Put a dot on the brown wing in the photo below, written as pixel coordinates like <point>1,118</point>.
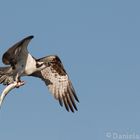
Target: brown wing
<point>57,80</point>
<point>10,57</point>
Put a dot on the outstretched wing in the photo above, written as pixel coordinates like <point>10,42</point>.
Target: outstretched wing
<point>10,57</point>
<point>58,82</point>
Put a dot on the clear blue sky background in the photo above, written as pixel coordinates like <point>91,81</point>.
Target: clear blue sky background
<point>99,44</point>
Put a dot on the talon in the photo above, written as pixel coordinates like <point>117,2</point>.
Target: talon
<point>20,83</point>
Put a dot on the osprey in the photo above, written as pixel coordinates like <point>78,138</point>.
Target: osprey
<point>50,69</point>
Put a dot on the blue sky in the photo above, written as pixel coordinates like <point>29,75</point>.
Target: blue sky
<point>99,44</point>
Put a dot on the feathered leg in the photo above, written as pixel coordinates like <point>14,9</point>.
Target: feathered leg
<point>17,79</point>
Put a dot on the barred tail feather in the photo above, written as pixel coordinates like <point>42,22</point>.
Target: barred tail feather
<point>6,77</point>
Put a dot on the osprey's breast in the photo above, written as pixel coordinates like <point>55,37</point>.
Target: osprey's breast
<point>26,64</point>
<point>30,65</point>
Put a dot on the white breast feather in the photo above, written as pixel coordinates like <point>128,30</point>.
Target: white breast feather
<point>30,65</point>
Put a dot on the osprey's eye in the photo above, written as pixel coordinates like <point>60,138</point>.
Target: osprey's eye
<point>49,63</point>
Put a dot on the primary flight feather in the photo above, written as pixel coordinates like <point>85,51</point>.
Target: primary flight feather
<point>50,69</point>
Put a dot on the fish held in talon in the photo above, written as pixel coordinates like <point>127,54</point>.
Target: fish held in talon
<point>19,84</point>
<point>6,91</point>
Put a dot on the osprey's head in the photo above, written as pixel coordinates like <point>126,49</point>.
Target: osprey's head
<point>40,65</point>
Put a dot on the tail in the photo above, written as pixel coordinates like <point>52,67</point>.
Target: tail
<point>6,77</point>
